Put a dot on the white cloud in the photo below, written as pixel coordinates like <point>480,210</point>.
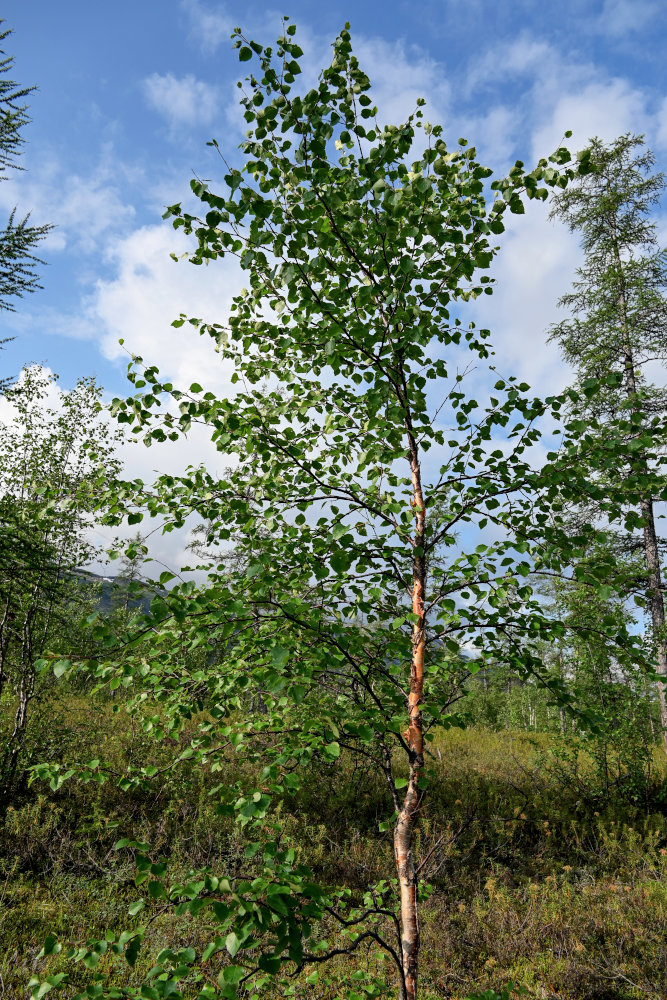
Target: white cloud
<point>538,258</point>
<point>524,57</point>
<point>661,125</point>
<point>138,304</point>
<point>621,17</point>
<point>495,135</point>
<point>209,27</point>
<point>399,74</point>
<point>534,268</point>
<point>183,101</point>
<point>605,109</point>
<point>83,209</point>
<point>557,93</point>
<point>149,290</point>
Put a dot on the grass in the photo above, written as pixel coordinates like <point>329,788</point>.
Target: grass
<point>539,880</point>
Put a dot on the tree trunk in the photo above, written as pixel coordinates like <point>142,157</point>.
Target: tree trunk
<point>656,605</point>
<point>655,597</point>
<point>561,711</point>
<point>25,693</point>
<point>406,821</point>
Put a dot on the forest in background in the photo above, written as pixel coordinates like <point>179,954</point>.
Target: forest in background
<point>403,732</point>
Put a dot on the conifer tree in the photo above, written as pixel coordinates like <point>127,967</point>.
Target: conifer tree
<point>618,321</point>
<point>19,237</point>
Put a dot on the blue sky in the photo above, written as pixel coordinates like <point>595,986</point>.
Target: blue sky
<point>130,92</point>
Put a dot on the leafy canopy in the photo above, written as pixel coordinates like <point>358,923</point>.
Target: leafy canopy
<point>349,404</point>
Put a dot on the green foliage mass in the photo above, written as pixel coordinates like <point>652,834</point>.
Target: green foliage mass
<point>360,456</point>
<point>388,528</point>
<point>52,448</point>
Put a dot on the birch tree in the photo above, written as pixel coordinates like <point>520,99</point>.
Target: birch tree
<point>384,517</point>
<point>51,446</point>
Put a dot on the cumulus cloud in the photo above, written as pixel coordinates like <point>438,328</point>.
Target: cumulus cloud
<point>525,56</point>
<point>148,291</point>
<point>182,101</point>
<point>495,135</point>
<point>556,93</point>
<point>534,269</point>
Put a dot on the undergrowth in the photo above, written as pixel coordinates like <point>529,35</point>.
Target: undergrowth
<point>538,879</point>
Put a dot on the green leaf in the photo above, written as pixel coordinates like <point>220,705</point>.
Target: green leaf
<point>298,693</point>
<point>156,890</point>
<point>245,54</point>
<point>132,950</point>
<point>269,964</point>
<point>49,983</point>
<point>51,946</point>
<point>232,943</point>
<point>279,656</point>
<point>210,949</point>
<point>232,974</point>
<point>61,666</point>
<point>340,561</point>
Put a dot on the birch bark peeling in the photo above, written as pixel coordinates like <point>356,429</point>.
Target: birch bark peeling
<point>408,815</point>
<point>656,604</point>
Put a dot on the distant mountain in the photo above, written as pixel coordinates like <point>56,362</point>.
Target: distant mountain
<point>111,590</point>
